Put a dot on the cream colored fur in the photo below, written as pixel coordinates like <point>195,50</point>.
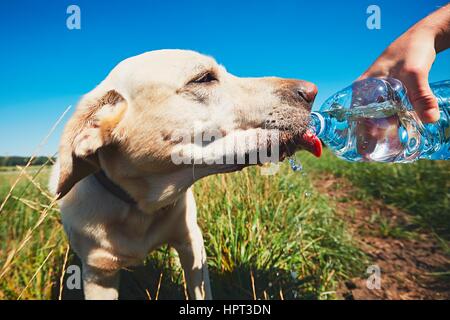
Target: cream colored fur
<point>124,127</point>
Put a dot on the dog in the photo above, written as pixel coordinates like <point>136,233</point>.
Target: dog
<point>120,192</point>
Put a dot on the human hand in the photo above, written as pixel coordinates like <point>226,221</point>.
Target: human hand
<point>409,59</point>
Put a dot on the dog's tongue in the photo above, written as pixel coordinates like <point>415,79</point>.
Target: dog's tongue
<point>312,143</point>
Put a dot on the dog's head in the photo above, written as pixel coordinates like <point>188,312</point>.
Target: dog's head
<point>158,109</point>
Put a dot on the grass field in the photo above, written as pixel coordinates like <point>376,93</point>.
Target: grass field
<point>269,237</point>
<point>422,189</point>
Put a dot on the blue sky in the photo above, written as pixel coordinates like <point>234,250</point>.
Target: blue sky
<point>45,67</point>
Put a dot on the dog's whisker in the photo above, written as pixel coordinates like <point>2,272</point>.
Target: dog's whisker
<point>118,126</point>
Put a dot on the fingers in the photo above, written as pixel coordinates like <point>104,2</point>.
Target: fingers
<point>372,73</point>
<point>362,77</point>
<point>419,92</point>
<point>421,96</point>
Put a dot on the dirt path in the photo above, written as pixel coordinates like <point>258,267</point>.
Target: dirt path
<point>408,264</point>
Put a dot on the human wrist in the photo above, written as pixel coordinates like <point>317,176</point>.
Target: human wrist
<point>437,26</point>
<point>442,39</point>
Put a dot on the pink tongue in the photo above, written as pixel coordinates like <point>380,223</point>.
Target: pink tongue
<point>313,143</point>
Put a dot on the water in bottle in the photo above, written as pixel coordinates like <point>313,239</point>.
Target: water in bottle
<point>373,120</point>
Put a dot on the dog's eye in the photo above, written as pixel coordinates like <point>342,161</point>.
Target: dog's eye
<point>205,78</point>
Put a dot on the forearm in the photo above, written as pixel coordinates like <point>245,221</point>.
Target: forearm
<point>438,24</point>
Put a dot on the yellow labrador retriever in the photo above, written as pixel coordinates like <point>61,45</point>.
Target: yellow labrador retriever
<point>122,178</point>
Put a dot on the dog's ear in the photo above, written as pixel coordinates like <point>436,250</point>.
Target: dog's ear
<point>89,129</point>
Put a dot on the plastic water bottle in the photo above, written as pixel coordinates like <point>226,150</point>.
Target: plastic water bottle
<point>373,120</point>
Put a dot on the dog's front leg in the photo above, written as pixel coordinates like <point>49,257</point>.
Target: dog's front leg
<point>100,284</point>
<point>193,260</point>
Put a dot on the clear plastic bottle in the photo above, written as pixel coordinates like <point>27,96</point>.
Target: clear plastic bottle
<point>373,120</point>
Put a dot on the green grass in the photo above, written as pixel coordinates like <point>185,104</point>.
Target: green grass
<point>276,229</point>
<point>420,188</point>
<point>18,265</point>
<point>13,169</point>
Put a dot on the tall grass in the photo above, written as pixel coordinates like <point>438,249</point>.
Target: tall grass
<point>421,188</point>
<point>277,228</point>
<point>30,233</point>
<point>269,237</point>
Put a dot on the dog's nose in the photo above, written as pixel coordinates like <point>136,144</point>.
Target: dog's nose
<point>306,90</point>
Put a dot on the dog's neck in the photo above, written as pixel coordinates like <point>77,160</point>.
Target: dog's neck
<point>114,188</point>
<point>148,189</point>
<point>134,199</point>
<point>147,192</point>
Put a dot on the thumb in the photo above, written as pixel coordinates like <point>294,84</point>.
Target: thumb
<point>421,97</point>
